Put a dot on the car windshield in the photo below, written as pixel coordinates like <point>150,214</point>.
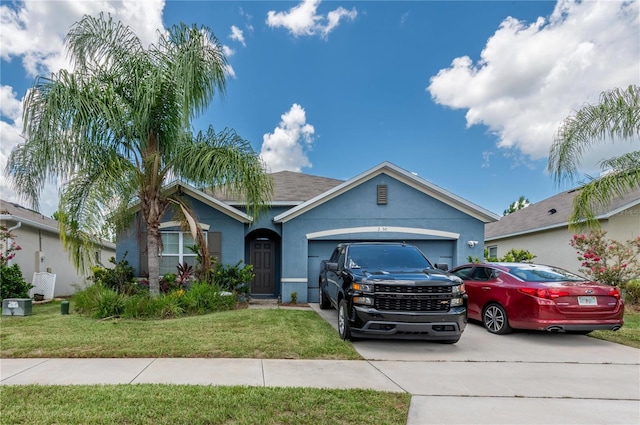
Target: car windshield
<point>544,274</point>
<point>386,257</point>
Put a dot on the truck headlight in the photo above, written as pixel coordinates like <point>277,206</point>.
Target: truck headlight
<point>363,300</point>
<point>363,287</point>
<point>458,289</point>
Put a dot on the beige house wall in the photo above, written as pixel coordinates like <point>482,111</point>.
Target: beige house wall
<point>552,246</point>
<point>42,251</point>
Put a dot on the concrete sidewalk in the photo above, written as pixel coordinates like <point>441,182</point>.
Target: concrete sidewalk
<point>573,380</point>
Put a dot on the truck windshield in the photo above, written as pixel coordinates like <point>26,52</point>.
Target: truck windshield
<point>386,257</point>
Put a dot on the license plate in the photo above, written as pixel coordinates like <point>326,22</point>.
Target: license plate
<point>587,301</point>
<point>12,304</point>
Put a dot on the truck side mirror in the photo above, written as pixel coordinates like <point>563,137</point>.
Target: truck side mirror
<point>332,267</point>
<point>442,266</point>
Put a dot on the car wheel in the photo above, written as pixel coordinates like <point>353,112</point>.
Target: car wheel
<point>495,320</point>
<point>324,301</point>
<point>343,321</point>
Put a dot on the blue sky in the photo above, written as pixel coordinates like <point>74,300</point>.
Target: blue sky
<point>466,94</point>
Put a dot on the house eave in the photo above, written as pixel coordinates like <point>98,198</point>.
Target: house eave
<point>47,228</point>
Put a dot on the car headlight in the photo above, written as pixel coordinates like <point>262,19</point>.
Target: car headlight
<point>363,287</point>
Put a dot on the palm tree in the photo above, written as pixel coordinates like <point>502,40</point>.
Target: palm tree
<point>117,127</point>
<point>521,203</point>
<point>615,118</point>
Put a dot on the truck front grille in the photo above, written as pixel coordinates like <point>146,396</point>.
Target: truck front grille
<point>412,289</point>
<point>407,304</point>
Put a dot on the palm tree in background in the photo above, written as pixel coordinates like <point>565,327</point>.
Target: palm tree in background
<point>118,127</point>
<point>521,203</point>
<point>615,118</point>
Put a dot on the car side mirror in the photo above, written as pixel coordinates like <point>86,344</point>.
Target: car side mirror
<point>332,267</point>
<point>442,266</point>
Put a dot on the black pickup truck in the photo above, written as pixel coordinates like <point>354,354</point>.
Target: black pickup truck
<point>383,289</point>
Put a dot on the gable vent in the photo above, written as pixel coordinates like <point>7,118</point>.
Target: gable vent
<point>382,194</point>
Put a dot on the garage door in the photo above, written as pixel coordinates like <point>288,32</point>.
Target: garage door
<point>437,251</point>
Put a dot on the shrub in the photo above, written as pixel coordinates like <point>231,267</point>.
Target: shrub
<point>99,302</point>
<point>120,278</point>
<point>234,278</point>
<point>12,284</point>
<point>606,260</point>
<point>632,292</point>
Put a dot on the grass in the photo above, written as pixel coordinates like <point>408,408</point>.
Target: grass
<point>193,404</point>
<point>283,334</point>
<point>629,334</point>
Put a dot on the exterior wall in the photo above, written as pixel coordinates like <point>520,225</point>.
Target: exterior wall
<point>624,225</point>
<point>232,234</point>
<point>42,251</point>
<point>357,208</point>
<point>552,246</point>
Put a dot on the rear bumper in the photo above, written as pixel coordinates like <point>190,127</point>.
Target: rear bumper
<point>570,325</point>
<point>371,323</point>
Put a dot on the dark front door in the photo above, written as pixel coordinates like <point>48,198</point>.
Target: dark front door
<point>262,254</point>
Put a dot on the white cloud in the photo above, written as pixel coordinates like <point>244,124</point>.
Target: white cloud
<point>286,147</point>
<point>237,35</point>
<point>532,76</point>
<point>33,33</point>
<point>304,20</point>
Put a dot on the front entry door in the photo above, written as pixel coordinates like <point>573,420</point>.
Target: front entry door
<point>262,254</point>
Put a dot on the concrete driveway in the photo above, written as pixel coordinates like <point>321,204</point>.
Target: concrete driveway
<point>520,378</point>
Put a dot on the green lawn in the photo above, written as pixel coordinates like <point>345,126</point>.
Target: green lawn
<point>197,404</point>
<point>282,334</point>
<point>629,334</point>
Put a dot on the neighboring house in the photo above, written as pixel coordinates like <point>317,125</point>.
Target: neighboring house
<point>308,216</point>
<point>543,228</point>
<point>42,250</point>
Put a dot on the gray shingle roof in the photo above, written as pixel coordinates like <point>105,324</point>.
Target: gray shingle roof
<point>34,217</point>
<point>549,213</point>
<point>291,187</point>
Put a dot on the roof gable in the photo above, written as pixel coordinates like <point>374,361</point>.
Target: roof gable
<point>401,175</point>
<point>551,213</point>
<point>178,186</point>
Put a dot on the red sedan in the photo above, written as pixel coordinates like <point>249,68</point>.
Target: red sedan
<point>506,296</point>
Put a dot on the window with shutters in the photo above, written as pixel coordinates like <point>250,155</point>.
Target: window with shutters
<point>176,250</point>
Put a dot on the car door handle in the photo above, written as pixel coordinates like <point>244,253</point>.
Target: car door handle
<point>486,288</point>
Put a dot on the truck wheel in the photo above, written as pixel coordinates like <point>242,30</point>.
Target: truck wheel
<point>343,321</point>
<point>324,301</point>
<point>495,320</point>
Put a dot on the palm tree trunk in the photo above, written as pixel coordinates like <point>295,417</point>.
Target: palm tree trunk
<point>153,257</point>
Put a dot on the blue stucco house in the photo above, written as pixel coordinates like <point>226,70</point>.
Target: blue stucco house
<point>309,215</point>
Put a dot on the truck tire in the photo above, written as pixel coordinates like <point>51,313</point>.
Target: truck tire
<point>324,301</point>
<point>343,321</point>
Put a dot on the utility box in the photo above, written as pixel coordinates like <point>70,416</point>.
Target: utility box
<point>16,306</point>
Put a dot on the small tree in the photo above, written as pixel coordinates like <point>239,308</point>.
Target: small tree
<point>12,284</point>
<point>607,261</point>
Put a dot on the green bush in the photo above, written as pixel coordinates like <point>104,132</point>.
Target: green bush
<point>632,292</point>
<point>12,284</point>
<point>99,302</point>
<point>120,278</point>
